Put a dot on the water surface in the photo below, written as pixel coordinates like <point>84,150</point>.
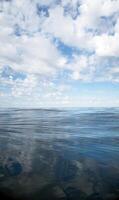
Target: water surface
<point>59,154</point>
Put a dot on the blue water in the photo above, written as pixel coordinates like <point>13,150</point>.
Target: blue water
<point>59,154</point>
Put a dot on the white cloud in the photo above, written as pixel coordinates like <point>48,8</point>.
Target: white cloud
<point>24,87</point>
<point>35,54</point>
<point>117,26</point>
<point>106,45</point>
<point>114,70</point>
<point>76,75</point>
<point>83,68</point>
<point>38,55</point>
<point>109,7</point>
<point>60,26</point>
<point>81,32</point>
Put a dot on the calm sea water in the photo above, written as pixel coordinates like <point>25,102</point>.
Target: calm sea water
<point>59,154</point>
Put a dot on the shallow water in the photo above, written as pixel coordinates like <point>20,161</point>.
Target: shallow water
<point>59,154</point>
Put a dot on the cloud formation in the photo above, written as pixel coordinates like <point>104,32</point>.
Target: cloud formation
<point>40,41</point>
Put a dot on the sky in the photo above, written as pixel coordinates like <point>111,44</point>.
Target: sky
<point>59,53</point>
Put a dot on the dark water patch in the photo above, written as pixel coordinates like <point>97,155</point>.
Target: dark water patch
<point>94,196</point>
<point>74,193</point>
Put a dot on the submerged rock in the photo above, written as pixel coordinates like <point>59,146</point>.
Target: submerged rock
<point>13,167</point>
<point>65,170</point>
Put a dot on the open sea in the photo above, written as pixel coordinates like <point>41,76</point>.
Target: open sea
<point>59,154</point>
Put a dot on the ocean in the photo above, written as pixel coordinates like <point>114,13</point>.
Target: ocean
<point>59,154</point>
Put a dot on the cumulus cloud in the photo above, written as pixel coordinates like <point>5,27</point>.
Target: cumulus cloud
<point>35,54</point>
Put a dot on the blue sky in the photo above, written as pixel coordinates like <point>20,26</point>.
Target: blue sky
<point>61,53</point>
